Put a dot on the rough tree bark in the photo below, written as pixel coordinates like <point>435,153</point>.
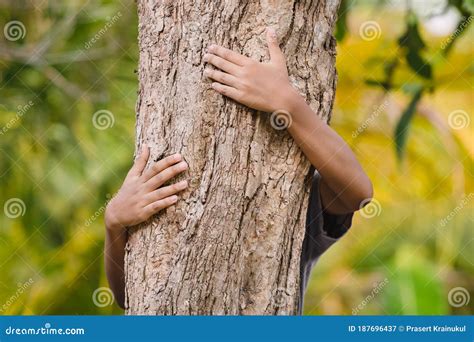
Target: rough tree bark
<point>232,244</point>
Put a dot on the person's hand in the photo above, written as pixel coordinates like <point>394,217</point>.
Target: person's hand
<point>261,86</point>
<point>142,194</point>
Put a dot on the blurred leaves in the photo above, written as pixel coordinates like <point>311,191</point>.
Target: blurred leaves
<point>341,23</point>
<point>412,290</point>
<point>53,157</point>
<point>403,124</point>
<point>412,244</point>
<point>411,46</point>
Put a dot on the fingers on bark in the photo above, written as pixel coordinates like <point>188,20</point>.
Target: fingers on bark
<point>159,205</point>
<point>162,165</point>
<point>226,91</point>
<point>221,77</point>
<point>228,55</point>
<point>167,191</point>
<point>140,162</point>
<point>276,55</point>
<point>166,174</point>
<point>221,63</point>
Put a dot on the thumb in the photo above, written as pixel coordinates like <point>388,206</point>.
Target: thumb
<point>141,161</point>
<point>276,55</point>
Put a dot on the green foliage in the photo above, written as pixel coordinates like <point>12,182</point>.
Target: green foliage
<point>403,124</point>
<point>412,290</point>
<point>54,158</point>
<point>420,241</point>
<point>411,46</point>
<point>341,24</point>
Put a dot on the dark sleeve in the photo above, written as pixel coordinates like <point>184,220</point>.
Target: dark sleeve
<point>321,232</point>
<point>335,226</point>
<point>323,229</point>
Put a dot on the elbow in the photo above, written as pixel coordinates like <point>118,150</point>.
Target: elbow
<point>362,195</point>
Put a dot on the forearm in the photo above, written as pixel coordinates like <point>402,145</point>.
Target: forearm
<point>341,173</point>
<point>115,240</point>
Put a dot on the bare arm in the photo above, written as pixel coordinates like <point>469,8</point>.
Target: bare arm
<point>114,253</point>
<point>141,196</point>
<point>266,87</point>
<point>344,184</point>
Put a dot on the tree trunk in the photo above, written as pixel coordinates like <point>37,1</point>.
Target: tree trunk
<point>232,244</point>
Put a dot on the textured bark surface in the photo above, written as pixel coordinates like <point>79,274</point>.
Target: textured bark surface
<point>232,244</point>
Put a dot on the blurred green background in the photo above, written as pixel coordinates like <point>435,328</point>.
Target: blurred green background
<point>404,103</point>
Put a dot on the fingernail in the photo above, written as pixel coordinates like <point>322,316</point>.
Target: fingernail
<point>211,47</point>
<point>206,72</point>
<point>174,199</point>
<point>206,57</point>
<point>183,184</point>
<point>178,157</point>
<point>183,165</point>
